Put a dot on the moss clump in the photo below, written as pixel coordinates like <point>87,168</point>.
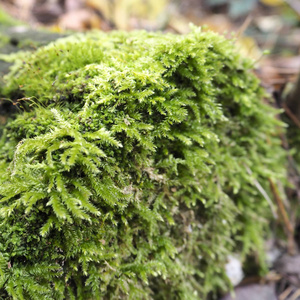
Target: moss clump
<point>130,172</point>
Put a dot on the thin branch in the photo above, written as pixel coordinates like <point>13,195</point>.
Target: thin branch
<point>291,115</point>
<point>284,295</point>
<point>245,25</point>
<point>291,246</point>
<point>281,208</point>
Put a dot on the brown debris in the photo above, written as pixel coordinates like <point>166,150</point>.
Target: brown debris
<point>79,20</point>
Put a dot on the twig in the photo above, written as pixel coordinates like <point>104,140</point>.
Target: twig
<point>281,208</point>
<point>291,115</point>
<point>284,295</point>
<point>296,295</point>
<point>288,225</point>
<point>245,25</point>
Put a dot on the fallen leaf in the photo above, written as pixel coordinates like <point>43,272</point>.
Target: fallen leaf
<point>179,24</point>
<point>80,20</point>
<point>217,22</point>
<point>105,7</point>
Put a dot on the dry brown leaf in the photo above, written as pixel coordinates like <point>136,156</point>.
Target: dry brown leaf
<point>80,20</point>
<point>126,14</point>
<point>121,14</point>
<point>217,22</point>
<point>179,24</point>
<point>105,7</point>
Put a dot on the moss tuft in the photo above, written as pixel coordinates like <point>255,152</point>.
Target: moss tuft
<point>130,171</point>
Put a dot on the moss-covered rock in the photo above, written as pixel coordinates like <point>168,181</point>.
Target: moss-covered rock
<point>129,171</point>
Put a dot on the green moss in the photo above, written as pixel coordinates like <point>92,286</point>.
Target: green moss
<point>129,173</point>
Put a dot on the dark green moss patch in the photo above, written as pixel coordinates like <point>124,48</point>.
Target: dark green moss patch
<point>130,171</point>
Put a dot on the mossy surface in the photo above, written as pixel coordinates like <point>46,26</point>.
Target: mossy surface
<point>130,171</point>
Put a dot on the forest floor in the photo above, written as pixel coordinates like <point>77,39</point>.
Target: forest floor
<point>259,26</point>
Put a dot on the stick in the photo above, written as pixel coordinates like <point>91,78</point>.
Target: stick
<point>281,208</point>
<point>291,115</point>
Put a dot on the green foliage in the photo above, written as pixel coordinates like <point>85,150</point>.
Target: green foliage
<point>130,171</point>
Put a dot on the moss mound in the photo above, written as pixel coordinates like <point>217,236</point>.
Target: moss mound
<point>130,171</point>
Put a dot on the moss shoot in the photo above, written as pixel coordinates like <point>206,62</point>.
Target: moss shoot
<point>130,170</point>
